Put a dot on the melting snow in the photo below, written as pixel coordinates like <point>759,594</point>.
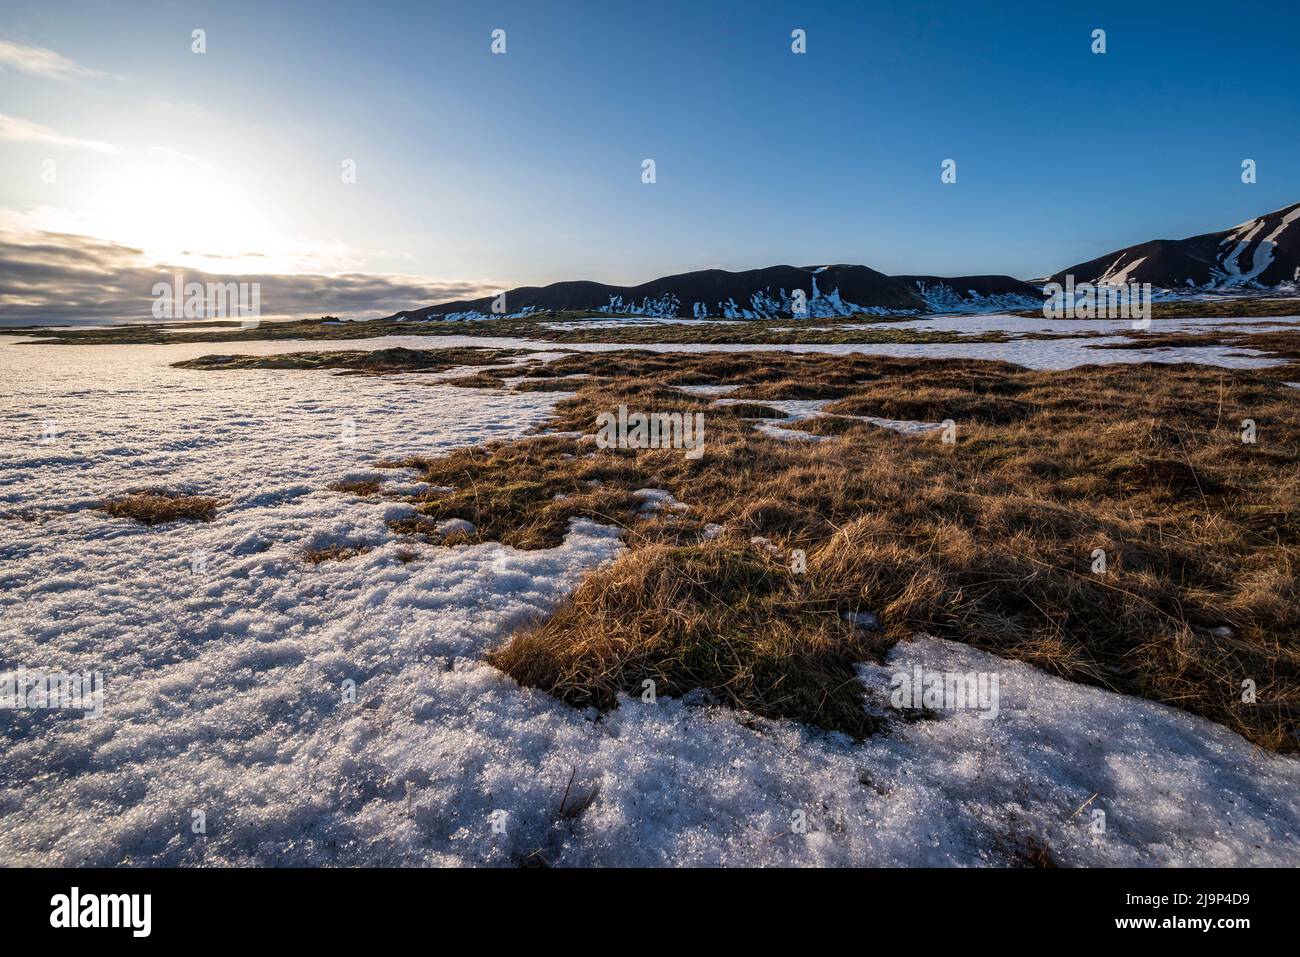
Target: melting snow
<point>1030,353</point>
<point>706,390</point>
<point>634,323</point>
<point>224,683</point>
<point>658,500</point>
<point>797,410</point>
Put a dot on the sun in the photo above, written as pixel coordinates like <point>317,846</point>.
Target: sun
<point>182,211</point>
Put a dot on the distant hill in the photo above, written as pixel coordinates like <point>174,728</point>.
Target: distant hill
<point>838,290</point>
<point>1262,253</point>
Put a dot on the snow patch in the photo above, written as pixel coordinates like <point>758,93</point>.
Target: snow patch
<point>658,500</point>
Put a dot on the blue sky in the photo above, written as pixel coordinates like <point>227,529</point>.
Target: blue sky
<point>526,167</point>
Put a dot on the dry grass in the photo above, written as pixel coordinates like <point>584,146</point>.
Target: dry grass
<point>157,508</point>
<point>370,362</point>
<point>518,493</point>
<point>1032,851</point>
<point>487,379</point>
<point>333,553</point>
<point>710,615</point>
<point>362,487</point>
<point>989,541</point>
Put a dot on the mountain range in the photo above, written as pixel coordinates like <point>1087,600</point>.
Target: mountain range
<point>1261,254</point>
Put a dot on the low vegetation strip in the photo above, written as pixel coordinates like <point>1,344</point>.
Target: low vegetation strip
<point>1133,526</point>
<point>574,327</point>
<point>373,362</point>
<point>158,508</point>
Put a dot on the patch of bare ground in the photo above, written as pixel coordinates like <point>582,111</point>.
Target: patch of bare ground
<point>158,508</point>
<point>1031,851</point>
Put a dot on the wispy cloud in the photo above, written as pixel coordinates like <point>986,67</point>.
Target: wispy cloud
<point>168,151</point>
<point>58,278</point>
<point>18,130</point>
<point>38,61</point>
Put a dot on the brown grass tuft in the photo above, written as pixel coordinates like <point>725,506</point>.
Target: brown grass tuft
<point>722,617</point>
<point>361,487</point>
<point>157,508</point>
<point>333,553</point>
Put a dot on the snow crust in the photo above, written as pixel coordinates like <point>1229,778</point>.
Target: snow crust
<point>1030,353</point>
<point>225,681</point>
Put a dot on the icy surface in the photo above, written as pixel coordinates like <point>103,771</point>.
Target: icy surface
<point>1024,325</point>
<point>572,324</point>
<point>706,390</point>
<point>225,680</point>
<point>1030,353</point>
<point>905,426</point>
<point>658,500</point>
<point>796,410</point>
<point>769,427</point>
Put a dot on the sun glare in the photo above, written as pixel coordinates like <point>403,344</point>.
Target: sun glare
<point>180,211</point>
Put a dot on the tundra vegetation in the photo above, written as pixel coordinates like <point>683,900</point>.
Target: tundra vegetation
<point>157,507</point>
<point>753,591</point>
<point>541,326</point>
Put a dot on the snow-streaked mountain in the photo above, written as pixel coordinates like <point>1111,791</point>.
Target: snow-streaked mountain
<point>1262,253</point>
<point>832,290</point>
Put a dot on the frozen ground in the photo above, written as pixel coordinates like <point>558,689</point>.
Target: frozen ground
<point>1003,322</point>
<point>1030,353</point>
<point>625,323</point>
<point>797,410</point>
<point>225,660</point>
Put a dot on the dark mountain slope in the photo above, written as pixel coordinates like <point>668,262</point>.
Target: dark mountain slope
<point>1259,254</point>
